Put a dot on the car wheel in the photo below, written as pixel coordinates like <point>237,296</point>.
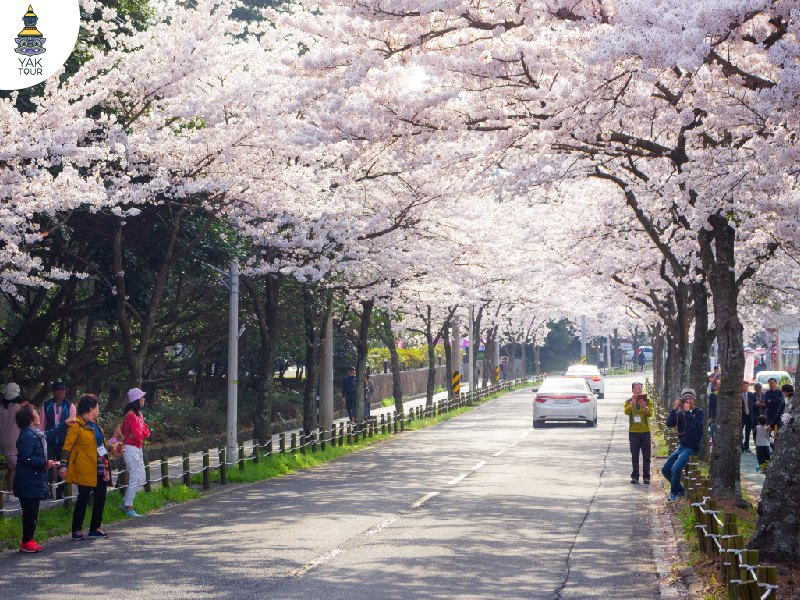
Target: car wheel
<point>590,423</point>
<point>595,420</point>
<point>538,424</point>
<point>601,396</point>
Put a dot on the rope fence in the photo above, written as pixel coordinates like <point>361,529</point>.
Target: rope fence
<point>302,442</point>
<point>719,539</point>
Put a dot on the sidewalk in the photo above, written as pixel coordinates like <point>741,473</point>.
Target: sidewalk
<point>748,466</point>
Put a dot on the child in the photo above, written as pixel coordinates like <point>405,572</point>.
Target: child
<point>762,442</point>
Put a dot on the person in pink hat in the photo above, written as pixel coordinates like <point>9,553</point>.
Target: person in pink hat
<point>134,432</point>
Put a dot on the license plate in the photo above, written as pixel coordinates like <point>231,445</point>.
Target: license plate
<point>562,401</point>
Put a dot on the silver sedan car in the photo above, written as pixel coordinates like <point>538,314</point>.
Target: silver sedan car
<point>564,399</point>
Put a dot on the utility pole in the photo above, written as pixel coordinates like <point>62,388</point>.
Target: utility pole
<point>232,441</point>
<point>583,339</point>
<point>470,356</point>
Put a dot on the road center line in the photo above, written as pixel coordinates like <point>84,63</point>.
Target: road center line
<point>524,435</point>
<point>418,503</point>
<point>479,465</point>
<point>457,479</point>
<point>498,453</point>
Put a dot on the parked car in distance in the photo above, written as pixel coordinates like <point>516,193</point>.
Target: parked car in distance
<point>564,399</point>
<point>647,350</point>
<point>763,377</point>
<point>592,375</point>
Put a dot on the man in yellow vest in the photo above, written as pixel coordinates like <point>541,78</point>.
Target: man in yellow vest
<point>639,408</point>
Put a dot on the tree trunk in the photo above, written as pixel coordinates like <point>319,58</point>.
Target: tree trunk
<point>314,345</point>
<point>448,360</point>
<point>670,374</point>
<point>698,379</point>
<point>394,360</point>
<point>362,348</point>
<point>725,458</point>
<point>777,536</point>
<point>658,356</point>
<point>267,317</point>
<point>431,360</point>
<point>476,343</point>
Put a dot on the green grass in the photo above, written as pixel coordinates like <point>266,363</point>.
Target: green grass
<point>58,521</point>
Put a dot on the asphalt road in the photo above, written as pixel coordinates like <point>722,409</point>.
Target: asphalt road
<point>480,506</point>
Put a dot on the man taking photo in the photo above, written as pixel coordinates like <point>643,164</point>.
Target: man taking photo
<point>688,423</point>
<point>639,408</point>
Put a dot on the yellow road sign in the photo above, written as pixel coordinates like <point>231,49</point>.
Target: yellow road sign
<point>456,381</point>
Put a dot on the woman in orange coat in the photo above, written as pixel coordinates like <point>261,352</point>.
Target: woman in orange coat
<point>87,466</point>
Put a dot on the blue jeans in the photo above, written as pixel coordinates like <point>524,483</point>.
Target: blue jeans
<point>673,468</point>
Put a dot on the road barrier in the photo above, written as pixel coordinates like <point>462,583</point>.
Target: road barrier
<point>349,433</point>
<point>739,568</point>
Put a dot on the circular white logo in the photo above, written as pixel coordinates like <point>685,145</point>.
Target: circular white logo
<point>36,39</point>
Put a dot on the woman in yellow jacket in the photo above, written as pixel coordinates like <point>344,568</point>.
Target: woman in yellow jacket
<point>87,466</point>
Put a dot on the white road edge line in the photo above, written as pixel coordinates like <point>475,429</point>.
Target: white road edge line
<point>457,479</point>
<point>317,562</point>
<point>498,453</point>
<point>419,502</point>
<point>391,520</point>
<point>479,465</point>
<point>524,435</point>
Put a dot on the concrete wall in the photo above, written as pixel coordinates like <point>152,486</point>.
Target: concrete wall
<point>415,382</point>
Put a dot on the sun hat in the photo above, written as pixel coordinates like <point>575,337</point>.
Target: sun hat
<point>135,394</point>
<point>12,391</point>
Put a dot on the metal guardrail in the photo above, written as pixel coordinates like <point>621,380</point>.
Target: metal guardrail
<point>306,441</point>
<point>744,578</point>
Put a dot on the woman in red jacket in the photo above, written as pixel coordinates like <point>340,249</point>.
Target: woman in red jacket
<point>134,432</point>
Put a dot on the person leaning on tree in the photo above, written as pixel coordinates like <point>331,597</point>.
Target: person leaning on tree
<point>639,408</point>
<point>688,423</point>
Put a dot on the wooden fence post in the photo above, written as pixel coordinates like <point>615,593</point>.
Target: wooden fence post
<point>206,469</point>
<point>148,487</point>
<point>164,472</point>
<point>282,442</point>
<point>383,423</point>
<point>223,466</point>
<point>187,475</point>
<point>256,452</point>
<point>241,457</point>
<point>294,443</point>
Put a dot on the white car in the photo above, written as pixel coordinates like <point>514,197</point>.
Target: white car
<point>564,399</point>
<point>592,376</point>
<point>781,377</point>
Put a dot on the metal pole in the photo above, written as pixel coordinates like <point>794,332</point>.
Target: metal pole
<point>471,358</point>
<point>496,366</point>
<point>231,441</point>
<point>326,399</point>
<point>456,346</point>
<point>583,338</point>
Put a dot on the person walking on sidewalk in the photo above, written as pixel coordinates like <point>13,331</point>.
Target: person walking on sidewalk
<point>639,408</point>
<point>369,392</point>
<point>762,442</point>
<point>134,433</point>
<point>87,466</point>
<point>31,483</point>
<point>746,424</point>
<point>757,407</point>
<point>688,423</point>
<point>349,393</point>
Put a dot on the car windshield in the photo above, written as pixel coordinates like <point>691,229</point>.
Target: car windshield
<point>563,385</point>
<point>582,371</point>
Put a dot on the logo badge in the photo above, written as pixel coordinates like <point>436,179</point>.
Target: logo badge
<point>24,59</point>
